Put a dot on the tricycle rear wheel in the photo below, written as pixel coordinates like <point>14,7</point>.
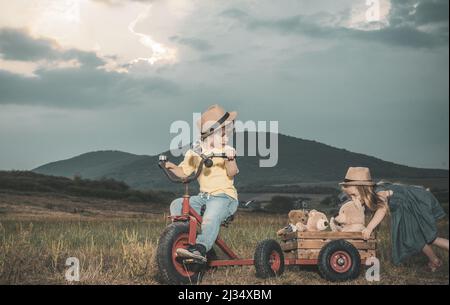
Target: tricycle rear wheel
<point>269,259</point>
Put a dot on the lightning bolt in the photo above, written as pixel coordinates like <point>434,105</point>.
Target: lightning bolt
<point>160,53</point>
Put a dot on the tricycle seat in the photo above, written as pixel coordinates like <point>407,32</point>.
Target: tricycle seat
<point>228,221</point>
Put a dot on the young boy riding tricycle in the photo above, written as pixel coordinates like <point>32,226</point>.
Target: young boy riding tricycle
<point>218,196</point>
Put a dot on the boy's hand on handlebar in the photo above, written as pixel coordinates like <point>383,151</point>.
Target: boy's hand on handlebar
<point>230,152</point>
<point>169,165</point>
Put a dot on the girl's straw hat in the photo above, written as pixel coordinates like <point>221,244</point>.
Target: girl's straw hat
<point>214,118</point>
<point>358,176</point>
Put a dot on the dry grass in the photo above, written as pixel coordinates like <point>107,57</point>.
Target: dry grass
<point>33,250</point>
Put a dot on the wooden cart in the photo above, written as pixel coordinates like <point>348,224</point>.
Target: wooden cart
<point>339,255</point>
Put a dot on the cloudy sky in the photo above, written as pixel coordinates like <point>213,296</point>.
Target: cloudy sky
<point>84,75</point>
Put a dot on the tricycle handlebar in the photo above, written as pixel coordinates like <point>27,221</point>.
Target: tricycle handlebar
<point>206,161</point>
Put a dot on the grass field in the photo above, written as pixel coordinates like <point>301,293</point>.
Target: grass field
<point>116,245</point>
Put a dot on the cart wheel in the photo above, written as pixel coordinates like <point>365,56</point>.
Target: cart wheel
<point>269,259</point>
<point>339,260</point>
<point>171,269</point>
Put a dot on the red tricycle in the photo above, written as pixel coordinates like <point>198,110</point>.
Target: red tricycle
<point>338,259</point>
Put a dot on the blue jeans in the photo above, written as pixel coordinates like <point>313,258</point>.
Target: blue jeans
<point>218,208</point>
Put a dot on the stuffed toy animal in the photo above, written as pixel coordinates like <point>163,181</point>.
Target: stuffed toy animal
<point>317,221</point>
<point>350,218</point>
<point>297,218</point>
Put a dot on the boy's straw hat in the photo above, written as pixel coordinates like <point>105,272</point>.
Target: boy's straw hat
<point>214,118</point>
<point>358,176</point>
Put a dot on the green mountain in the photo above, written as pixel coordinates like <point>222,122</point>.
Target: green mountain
<point>299,161</point>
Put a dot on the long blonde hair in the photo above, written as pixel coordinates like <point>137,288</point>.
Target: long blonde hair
<point>370,198</point>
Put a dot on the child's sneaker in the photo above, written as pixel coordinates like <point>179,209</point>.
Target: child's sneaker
<point>197,252</point>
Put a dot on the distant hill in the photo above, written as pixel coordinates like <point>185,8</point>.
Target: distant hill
<point>88,165</point>
<point>299,161</point>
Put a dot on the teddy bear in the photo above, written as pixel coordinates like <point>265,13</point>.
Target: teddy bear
<point>317,221</point>
<point>350,218</point>
<point>302,221</point>
<point>296,217</point>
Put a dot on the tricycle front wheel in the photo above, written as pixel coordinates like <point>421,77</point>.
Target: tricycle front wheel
<point>171,269</point>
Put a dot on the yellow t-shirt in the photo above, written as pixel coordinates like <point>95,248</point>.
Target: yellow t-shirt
<point>213,180</point>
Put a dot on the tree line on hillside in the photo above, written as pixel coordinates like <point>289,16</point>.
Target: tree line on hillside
<point>289,189</point>
<point>26,181</point>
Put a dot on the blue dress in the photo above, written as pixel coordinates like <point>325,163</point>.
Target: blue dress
<point>414,212</point>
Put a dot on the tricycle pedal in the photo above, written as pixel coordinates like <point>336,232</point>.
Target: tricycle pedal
<point>190,261</point>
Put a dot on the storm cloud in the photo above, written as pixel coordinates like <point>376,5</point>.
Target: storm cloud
<point>83,82</point>
<point>195,43</point>
<point>81,88</point>
<point>85,86</point>
<point>17,44</point>
<point>403,30</point>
